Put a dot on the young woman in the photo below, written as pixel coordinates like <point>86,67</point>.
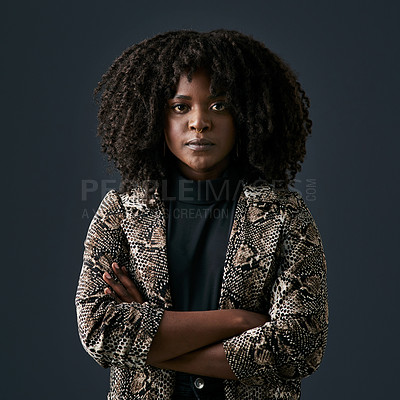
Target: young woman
<point>204,277</point>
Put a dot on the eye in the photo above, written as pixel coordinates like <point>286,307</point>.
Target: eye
<point>220,106</point>
<point>180,108</point>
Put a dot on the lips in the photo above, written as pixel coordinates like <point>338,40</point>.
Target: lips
<point>199,144</point>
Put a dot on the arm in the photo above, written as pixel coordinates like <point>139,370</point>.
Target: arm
<point>208,361</point>
<point>111,332</point>
<point>291,345</point>
<point>180,333</point>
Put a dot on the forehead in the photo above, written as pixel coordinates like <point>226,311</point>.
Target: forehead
<point>198,82</point>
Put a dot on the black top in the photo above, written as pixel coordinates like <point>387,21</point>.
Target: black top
<point>200,216</point>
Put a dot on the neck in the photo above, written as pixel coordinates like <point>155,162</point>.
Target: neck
<point>202,175</point>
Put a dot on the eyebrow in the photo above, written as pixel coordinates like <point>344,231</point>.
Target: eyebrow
<point>183,97</point>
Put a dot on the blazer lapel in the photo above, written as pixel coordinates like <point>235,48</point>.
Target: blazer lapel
<point>250,260</point>
<point>145,229</point>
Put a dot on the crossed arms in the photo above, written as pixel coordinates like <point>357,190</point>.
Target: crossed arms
<point>187,341</point>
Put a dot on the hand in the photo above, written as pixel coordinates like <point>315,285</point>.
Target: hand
<point>124,291</point>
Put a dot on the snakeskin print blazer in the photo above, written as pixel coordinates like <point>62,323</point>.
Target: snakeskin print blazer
<point>274,263</point>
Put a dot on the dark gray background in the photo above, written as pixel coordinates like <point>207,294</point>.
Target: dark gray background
<point>346,54</point>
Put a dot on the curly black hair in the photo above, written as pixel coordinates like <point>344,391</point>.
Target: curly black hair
<point>269,107</point>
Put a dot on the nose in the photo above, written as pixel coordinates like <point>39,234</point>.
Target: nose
<point>199,122</point>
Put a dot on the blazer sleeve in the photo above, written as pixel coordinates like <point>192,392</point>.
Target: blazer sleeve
<point>291,345</point>
<point>111,332</point>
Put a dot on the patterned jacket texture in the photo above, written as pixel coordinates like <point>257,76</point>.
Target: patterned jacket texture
<point>274,264</point>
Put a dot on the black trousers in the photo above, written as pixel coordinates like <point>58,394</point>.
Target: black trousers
<point>195,387</point>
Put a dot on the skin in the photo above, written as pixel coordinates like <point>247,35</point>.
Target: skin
<point>192,341</point>
<point>193,113</point>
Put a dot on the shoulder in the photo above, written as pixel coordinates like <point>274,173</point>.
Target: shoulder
<point>284,204</point>
<point>136,203</point>
<point>110,211</point>
<point>298,224</point>
<point>266,195</point>
<point>114,201</point>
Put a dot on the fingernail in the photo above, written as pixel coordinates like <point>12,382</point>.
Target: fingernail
<point>116,265</point>
<point>107,275</point>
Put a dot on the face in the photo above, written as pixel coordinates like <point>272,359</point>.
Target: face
<point>199,129</point>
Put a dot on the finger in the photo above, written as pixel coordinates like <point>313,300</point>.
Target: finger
<point>112,294</point>
<point>127,282</point>
<point>118,288</point>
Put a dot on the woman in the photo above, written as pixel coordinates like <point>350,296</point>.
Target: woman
<point>204,277</point>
